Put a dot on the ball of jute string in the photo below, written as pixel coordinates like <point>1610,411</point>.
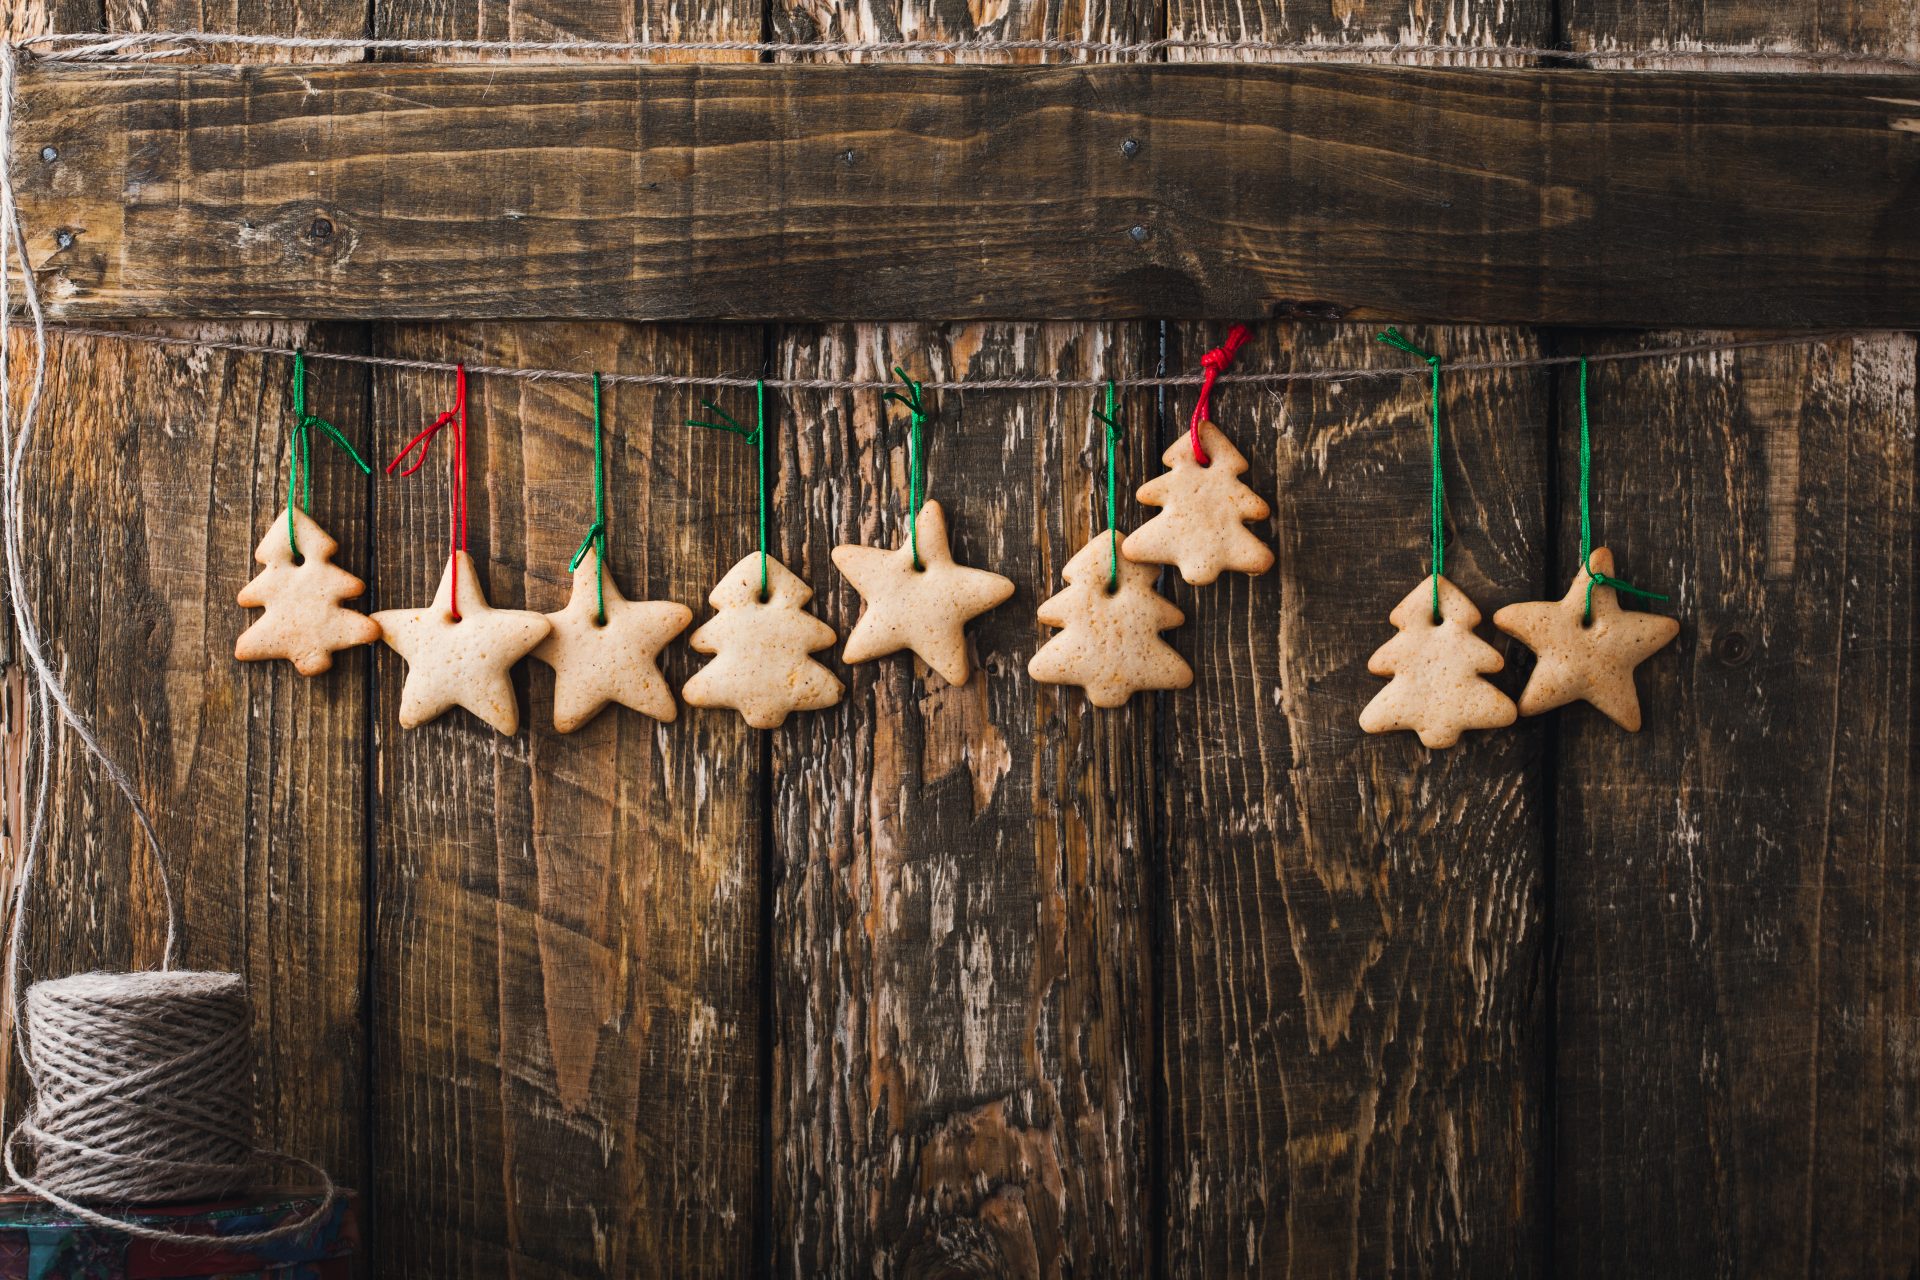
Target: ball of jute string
<point>143,1094</point>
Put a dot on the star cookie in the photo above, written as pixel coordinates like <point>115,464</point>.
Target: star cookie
<point>1436,666</point>
<point>598,660</point>
<point>461,663</point>
<point>1202,526</point>
<point>303,622</point>
<point>924,609</point>
<point>1591,659</point>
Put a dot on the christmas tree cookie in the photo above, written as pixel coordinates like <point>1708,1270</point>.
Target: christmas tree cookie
<point>1109,644</point>
<point>760,644</point>
<point>1202,525</point>
<point>1436,665</point>
<point>301,593</point>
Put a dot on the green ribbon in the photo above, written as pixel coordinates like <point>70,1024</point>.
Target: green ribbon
<point>916,458</point>
<point>596,538</point>
<point>300,447</point>
<point>758,438</point>
<point>1114,431</point>
<point>1594,577</point>
<point>1438,488</point>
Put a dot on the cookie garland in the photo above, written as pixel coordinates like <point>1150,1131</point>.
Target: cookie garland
<point>604,647</point>
<point>1204,505</point>
<point>1110,615</point>
<point>916,597</point>
<point>761,633</point>
<point>299,586</point>
<point>1436,662</point>
<point>1585,645</point>
<point>458,649</point>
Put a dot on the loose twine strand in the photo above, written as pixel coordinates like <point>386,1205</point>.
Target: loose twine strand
<point>46,697</point>
<point>157,45</point>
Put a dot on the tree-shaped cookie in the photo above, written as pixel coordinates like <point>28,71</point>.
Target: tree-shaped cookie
<point>1436,665</point>
<point>1204,509</point>
<point>301,593</point>
<point>1109,644</point>
<point>760,642</point>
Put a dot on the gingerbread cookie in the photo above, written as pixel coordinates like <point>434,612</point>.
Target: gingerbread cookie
<point>1436,666</point>
<point>1202,525</point>
<point>612,657</point>
<point>464,661</point>
<point>1110,644</point>
<point>301,594</point>
<point>924,607</point>
<point>760,666</point>
<point>1582,658</point>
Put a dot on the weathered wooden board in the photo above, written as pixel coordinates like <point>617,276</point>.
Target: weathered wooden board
<point>1737,884</point>
<point>810,192</point>
<point>154,475</point>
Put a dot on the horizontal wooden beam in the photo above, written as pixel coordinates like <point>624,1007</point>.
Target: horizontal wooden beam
<point>1562,197</point>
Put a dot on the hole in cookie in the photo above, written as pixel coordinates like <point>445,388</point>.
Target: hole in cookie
<point>762,597</point>
<point>1586,623</point>
<point>918,567</point>
<point>298,559</point>
<point>1113,588</point>
<point>600,621</point>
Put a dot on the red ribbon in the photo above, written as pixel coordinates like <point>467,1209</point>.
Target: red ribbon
<point>457,505</point>
<point>1213,362</point>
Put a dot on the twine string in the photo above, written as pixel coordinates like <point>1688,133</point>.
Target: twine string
<point>1437,495</point>
<point>916,456</point>
<point>1594,577</point>
<point>1110,419</point>
<point>300,450</point>
<point>1215,363</point>
<point>457,500</point>
<point>758,438</point>
<point>596,539</point>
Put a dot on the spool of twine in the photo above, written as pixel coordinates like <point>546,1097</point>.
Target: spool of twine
<point>143,1086</point>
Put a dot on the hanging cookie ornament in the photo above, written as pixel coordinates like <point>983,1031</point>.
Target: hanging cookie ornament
<point>1204,505</point>
<point>1585,645</point>
<point>761,633</point>
<point>1436,661</point>
<point>298,585</point>
<point>916,596</point>
<point>459,649</point>
<point>604,647</point>
<point>1110,616</point>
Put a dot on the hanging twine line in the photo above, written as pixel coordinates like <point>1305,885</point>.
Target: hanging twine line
<point>916,457</point>
<point>596,539</point>
<point>1111,420</point>
<point>300,450</point>
<point>1215,363</point>
<point>457,499</point>
<point>1594,577</point>
<point>154,45</point>
<point>749,382</point>
<point>758,438</point>
<point>1437,495</point>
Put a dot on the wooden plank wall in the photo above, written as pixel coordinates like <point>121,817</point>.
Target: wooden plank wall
<point>1212,985</point>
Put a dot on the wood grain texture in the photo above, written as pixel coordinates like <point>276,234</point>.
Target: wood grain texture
<point>154,475</point>
<point>1737,884</point>
<point>1858,26</point>
<point>960,929</point>
<point>375,191</point>
<point>566,1015</point>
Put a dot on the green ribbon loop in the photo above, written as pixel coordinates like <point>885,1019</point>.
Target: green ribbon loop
<point>758,438</point>
<point>1114,432</point>
<point>300,450</point>
<point>1594,578</point>
<point>916,456</point>
<point>1437,496</point>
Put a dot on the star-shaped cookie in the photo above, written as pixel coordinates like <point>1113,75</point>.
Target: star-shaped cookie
<point>924,609</point>
<point>598,660</point>
<point>1586,659</point>
<point>461,663</point>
